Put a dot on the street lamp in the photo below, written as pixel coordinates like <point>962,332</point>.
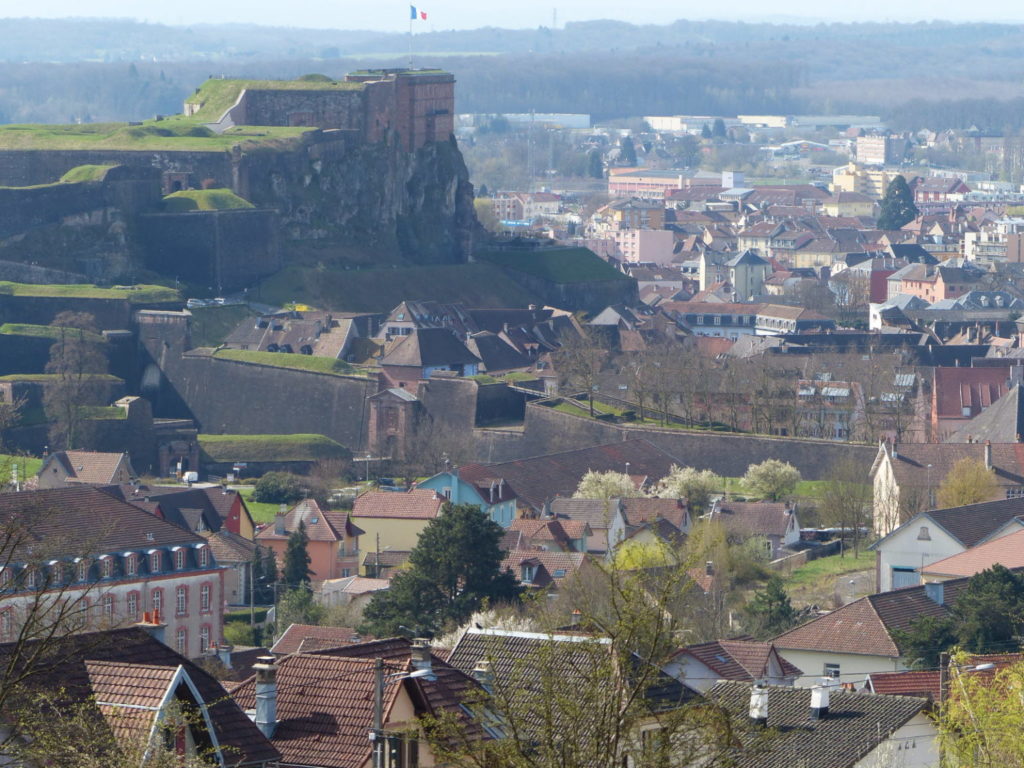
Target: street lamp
<point>368,456</point>
<point>377,734</point>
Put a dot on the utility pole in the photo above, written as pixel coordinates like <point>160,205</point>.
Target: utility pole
<point>378,712</point>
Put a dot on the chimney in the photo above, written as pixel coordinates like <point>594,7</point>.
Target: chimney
<point>151,623</point>
<point>484,675</point>
<point>266,695</point>
<point>820,699</point>
<point>420,655</point>
<point>759,704</point>
<point>223,651</point>
<point>709,568</point>
<point>577,614</point>
<point>279,521</point>
<point>894,454</point>
<point>988,454</point>
<point>935,591</point>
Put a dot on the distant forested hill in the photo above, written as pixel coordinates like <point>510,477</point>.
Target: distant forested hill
<point>937,74</point>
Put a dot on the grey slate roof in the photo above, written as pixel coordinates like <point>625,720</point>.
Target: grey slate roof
<point>1001,422</point>
<point>855,725</point>
<point>428,347</point>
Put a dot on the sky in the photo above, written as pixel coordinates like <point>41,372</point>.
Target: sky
<point>393,15</point>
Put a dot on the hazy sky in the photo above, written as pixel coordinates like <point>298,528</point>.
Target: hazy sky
<point>393,15</point>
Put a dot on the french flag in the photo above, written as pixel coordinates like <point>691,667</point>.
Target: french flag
<point>414,14</point>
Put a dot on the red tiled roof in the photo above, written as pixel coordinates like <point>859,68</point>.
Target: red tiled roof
<point>416,504</point>
<point>90,466</point>
<point>641,510</point>
<point>324,709</point>
<point>126,664</point>
<point>909,683</point>
<point>753,518</point>
<point>320,525</point>
<point>1006,550</point>
<point>973,389</point>
<point>306,638</point>
<point>552,564</point>
<point>911,465</point>
<point>325,701</point>
<point>739,659</point>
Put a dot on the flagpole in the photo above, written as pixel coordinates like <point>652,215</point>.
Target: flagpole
<point>410,41</point>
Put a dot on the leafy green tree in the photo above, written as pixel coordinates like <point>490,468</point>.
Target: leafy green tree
<point>627,151</point>
<point>278,488</point>
<point>897,207</point>
<point>771,479</point>
<point>296,558</point>
<point>981,719</point>
<point>696,486</point>
<point>454,569</point>
<point>925,639</point>
<point>987,617</point>
<point>297,606</point>
<point>967,482</point>
<point>606,485</point>
<point>989,614</point>
<point>769,612</point>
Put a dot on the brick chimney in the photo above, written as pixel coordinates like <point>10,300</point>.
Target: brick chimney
<point>279,529</point>
<point>266,695</point>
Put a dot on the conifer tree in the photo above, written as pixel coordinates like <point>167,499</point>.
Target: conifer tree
<point>296,558</point>
<point>897,207</point>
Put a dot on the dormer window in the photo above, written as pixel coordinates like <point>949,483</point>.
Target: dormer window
<point>204,557</point>
<point>107,567</point>
<point>131,565</point>
<point>179,559</point>
<point>83,570</point>
<point>155,562</point>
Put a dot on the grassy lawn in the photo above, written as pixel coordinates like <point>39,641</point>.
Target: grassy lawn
<point>261,512</point>
<point>45,377</point>
<point>135,293</point>
<point>558,265</point>
<point>817,572</point>
<point>27,465</point>
<point>295,362</point>
<point>229,448</point>
<point>82,173</point>
<point>44,331</point>
<point>381,290</point>
<point>177,134</point>
<point>103,412</point>
<point>204,200</point>
<point>211,325</point>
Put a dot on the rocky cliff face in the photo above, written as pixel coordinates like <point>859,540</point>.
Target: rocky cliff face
<point>339,198</point>
<point>342,198</point>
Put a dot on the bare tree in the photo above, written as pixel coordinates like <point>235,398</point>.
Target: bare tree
<point>77,361</point>
<point>846,500</point>
<point>580,360</point>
